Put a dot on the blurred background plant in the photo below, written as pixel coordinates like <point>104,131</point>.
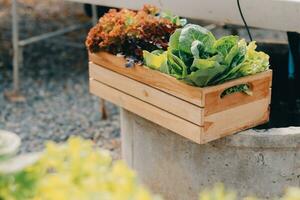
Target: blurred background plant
<point>79,170</point>
<point>74,170</point>
<point>219,192</point>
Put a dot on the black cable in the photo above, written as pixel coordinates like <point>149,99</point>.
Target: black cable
<point>245,23</point>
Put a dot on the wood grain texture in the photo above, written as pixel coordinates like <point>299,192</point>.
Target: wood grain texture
<point>235,119</point>
<point>150,77</point>
<point>153,96</point>
<point>147,111</point>
<point>259,86</point>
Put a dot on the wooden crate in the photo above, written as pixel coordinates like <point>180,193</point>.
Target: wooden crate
<point>199,114</point>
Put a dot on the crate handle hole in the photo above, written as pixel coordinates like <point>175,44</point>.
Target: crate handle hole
<point>244,88</point>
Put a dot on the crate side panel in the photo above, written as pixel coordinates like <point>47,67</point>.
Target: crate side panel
<point>158,98</point>
<point>259,85</point>
<point>236,119</point>
<point>147,111</point>
<point>150,77</point>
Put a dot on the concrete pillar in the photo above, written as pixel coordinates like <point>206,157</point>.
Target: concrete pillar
<point>260,163</point>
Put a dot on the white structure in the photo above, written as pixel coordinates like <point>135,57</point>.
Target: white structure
<point>269,14</point>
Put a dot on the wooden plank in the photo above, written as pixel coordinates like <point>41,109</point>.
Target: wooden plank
<point>160,99</point>
<point>267,14</point>
<point>233,120</point>
<point>147,111</point>
<point>259,86</point>
<point>245,79</point>
<point>150,77</point>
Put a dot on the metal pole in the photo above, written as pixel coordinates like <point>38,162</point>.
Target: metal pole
<point>15,41</point>
<point>44,36</point>
<point>102,102</point>
<point>15,95</point>
<point>94,14</point>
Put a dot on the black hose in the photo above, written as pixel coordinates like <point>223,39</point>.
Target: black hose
<point>245,23</point>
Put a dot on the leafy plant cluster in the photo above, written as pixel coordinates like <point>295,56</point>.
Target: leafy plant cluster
<point>129,32</point>
<point>73,171</point>
<point>218,192</point>
<point>195,56</point>
<point>76,171</point>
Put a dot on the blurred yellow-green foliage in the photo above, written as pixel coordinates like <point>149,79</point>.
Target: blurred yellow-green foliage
<point>76,171</point>
<point>73,171</point>
<point>218,192</point>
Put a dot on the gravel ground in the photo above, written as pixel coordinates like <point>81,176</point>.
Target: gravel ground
<point>54,82</point>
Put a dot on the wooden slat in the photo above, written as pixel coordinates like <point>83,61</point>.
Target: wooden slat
<point>147,111</point>
<point>149,77</point>
<point>259,85</point>
<point>245,79</point>
<point>160,99</point>
<point>233,120</point>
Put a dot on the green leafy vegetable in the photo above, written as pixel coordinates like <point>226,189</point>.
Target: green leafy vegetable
<point>174,19</point>
<point>206,71</point>
<point>177,67</point>
<point>155,60</point>
<point>238,88</point>
<point>193,32</point>
<point>197,48</point>
<point>254,62</point>
<point>196,57</point>
<point>225,44</point>
<point>174,39</point>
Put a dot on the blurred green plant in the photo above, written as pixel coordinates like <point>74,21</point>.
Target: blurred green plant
<point>218,192</point>
<point>75,170</point>
<point>292,193</point>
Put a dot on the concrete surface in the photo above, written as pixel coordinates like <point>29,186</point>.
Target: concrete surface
<point>256,163</point>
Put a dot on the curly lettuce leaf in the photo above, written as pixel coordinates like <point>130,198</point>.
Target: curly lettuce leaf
<point>255,61</point>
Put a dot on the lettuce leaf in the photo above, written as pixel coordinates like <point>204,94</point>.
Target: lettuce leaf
<point>205,70</point>
<point>156,60</point>
<point>255,61</point>
<point>193,32</point>
<point>174,40</point>
<point>177,67</point>
<point>173,18</point>
<point>225,44</point>
<point>232,70</point>
<point>197,58</point>
<point>197,48</point>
